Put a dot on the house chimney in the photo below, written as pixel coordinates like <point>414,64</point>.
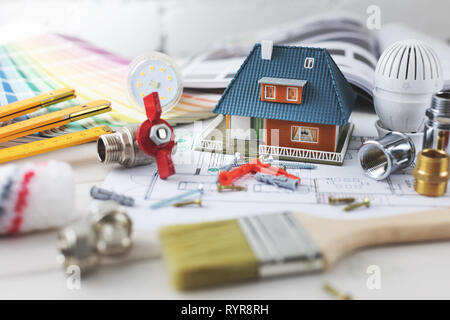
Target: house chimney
<point>266,49</point>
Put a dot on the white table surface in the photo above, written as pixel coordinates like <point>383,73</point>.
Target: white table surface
<point>408,271</point>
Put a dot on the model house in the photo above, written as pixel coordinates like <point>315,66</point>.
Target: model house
<point>292,97</point>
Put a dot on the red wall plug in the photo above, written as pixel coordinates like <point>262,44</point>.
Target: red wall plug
<point>254,166</point>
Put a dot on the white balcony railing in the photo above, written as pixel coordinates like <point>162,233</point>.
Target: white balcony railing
<point>209,145</point>
<point>301,154</point>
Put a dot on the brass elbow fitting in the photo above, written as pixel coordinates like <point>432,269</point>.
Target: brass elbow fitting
<point>431,172</point>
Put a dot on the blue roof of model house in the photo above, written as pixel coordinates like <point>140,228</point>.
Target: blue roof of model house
<point>327,97</point>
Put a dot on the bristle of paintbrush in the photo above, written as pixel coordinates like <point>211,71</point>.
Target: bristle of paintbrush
<point>207,253</point>
<point>235,250</point>
<point>284,243</point>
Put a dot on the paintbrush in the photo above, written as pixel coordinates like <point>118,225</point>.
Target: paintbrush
<point>255,247</point>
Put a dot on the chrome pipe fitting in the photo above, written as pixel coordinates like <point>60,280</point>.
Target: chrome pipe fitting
<point>438,121</point>
<point>106,232</point>
<point>113,228</point>
<point>121,147</point>
<point>379,158</point>
<point>77,246</point>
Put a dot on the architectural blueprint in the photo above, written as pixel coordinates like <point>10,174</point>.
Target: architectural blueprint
<point>394,195</point>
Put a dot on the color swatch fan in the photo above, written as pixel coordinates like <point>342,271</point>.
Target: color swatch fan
<point>155,72</point>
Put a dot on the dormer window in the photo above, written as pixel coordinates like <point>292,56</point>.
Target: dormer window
<point>282,90</point>
<point>269,92</point>
<point>292,94</point>
<point>309,63</point>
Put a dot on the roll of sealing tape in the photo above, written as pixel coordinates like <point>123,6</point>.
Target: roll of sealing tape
<point>154,72</point>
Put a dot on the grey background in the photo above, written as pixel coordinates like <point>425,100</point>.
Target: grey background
<point>132,27</point>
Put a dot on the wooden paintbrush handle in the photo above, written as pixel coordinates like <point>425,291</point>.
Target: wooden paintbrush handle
<point>337,238</point>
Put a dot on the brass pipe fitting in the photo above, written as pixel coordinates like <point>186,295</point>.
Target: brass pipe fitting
<point>432,170</point>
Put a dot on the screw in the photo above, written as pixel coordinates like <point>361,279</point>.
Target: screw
<point>171,200</point>
<point>237,158</point>
<point>221,188</point>
<point>162,133</point>
<point>365,202</point>
<point>332,200</point>
<point>335,293</point>
<point>286,165</point>
<point>186,203</point>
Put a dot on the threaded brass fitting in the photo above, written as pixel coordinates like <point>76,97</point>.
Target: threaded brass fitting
<point>431,172</point>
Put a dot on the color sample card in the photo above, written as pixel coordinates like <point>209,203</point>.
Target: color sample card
<point>47,62</point>
<point>50,61</point>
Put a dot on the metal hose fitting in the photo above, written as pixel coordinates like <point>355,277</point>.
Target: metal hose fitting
<point>121,147</point>
<point>113,227</point>
<point>77,245</point>
<point>438,121</point>
<point>379,158</point>
<point>105,233</point>
<point>431,172</point>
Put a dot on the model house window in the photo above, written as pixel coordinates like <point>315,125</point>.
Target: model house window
<point>305,134</point>
<point>291,94</point>
<point>269,92</point>
<point>309,63</point>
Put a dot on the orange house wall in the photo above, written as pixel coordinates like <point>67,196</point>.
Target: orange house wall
<point>327,135</point>
<point>281,94</point>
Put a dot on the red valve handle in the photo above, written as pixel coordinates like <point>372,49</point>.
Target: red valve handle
<point>162,152</point>
<point>165,163</point>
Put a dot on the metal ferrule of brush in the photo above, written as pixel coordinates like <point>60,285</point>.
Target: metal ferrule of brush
<point>281,245</point>
<point>438,120</point>
<point>121,147</point>
<point>379,158</point>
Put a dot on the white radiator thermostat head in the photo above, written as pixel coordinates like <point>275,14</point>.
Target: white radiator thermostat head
<point>407,74</point>
<point>154,72</point>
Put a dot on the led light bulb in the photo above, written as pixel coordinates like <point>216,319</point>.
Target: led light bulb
<point>154,72</point>
<point>407,74</point>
